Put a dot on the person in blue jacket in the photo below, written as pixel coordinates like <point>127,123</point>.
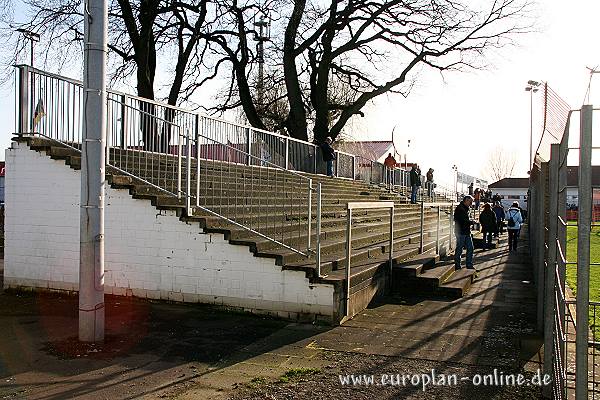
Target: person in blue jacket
<point>514,219</point>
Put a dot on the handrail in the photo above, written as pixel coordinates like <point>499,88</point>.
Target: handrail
<point>364,205</point>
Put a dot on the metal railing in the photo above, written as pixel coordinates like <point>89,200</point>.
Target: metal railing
<point>365,206</point>
<point>208,165</point>
<point>445,212</point>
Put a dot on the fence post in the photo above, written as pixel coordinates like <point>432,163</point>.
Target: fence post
<point>188,176</point>
<point>391,269</point>
<point>23,118</point>
<point>551,266</point>
<point>584,217</point>
<point>450,224</point>
<point>422,227</point>
<point>353,168</point>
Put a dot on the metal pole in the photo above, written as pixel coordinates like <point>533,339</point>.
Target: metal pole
<point>188,177</point>
<point>123,122</point>
<point>391,269</point>
<point>287,153</point>
<point>450,223</point>
<point>309,233</point>
<point>197,160</point>
<point>583,253</point>
<point>318,258</point>
<point>348,257</point>
<point>551,264</point>
<point>422,227</point>
<point>23,122</point>
<point>249,146</point>
<point>437,233</point>
<point>91,262</point>
<point>178,163</point>
<point>530,128</point>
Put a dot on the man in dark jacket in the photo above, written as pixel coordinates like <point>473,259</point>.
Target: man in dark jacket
<point>415,182</point>
<point>499,211</point>
<point>462,231</point>
<point>328,155</point>
<point>487,218</point>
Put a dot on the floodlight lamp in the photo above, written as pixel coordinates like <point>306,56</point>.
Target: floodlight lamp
<point>533,83</point>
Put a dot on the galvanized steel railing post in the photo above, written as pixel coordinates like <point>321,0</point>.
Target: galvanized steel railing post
<point>348,257</point>
<point>287,153</point>
<point>391,259</point>
<point>248,146</point>
<point>422,227</point>
<point>23,117</point>
<point>583,253</point>
<point>437,232</point>
<point>188,183</point>
<point>197,135</point>
<point>123,122</point>
<point>309,233</point>
<point>178,164</point>
<point>318,257</point>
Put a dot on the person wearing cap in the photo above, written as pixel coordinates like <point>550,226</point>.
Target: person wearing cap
<point>462,231</point>
<point>328,155</point>
<point>514,219</point>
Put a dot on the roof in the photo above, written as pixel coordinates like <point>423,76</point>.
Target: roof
<point>372,150</point>
<point>510,183</point>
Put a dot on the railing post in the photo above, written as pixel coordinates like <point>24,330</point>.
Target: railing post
<point>348,257</point>
<point>422,226</point>
<point>584,217</point>
<point>318,258</point>
<point>188,167</point>
<point>197,134</point>
<point>337,164</point>
<point>353,168</point>
<point>178,164</point>
<point>123,122</point>
<point>309,233</point>
<point>450,225</point>
<point>287,153</point>
<point>437,232</point>
<point>23,118</point>
<point>391,259</point>
<point>248,146</point>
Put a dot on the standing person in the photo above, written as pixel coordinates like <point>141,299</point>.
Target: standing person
<point>462,230</point>
<point>477,198</point>
<point>514,219</point>
<point>390,164</point>
<point>415,182</point>
<point>328,155</point>
<point>487,218</point>
<point>429,183</point>
<point>471,189</point>
<point>499,211</point>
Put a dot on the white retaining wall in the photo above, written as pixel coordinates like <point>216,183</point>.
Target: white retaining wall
<point>148,253</point>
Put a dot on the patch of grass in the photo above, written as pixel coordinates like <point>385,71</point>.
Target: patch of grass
<point>298,374</point>
<point>594,270</point>
<point>256,382</point>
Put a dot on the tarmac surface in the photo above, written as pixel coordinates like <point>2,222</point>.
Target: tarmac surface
<point>176,351</point>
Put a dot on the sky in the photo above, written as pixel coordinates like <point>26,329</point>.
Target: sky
<point>459,118</point>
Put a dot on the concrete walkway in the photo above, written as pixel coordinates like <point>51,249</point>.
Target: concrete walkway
<point>188,352</point>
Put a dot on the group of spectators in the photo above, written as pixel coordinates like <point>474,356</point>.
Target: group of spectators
<point>492,220</point>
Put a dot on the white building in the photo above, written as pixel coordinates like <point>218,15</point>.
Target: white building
<point>511,190</point>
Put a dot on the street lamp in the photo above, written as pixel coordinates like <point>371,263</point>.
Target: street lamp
<point>33,37</point>
<point>532,87</point>
<point>406,155</point>
<point>455,169</point>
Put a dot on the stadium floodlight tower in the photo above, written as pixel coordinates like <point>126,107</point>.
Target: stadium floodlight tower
<point>262,35</point>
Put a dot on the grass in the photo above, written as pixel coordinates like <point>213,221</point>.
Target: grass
<point>594,270</point>
<point>297,374</point>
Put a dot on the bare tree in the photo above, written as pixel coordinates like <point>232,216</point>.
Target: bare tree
<point>370,47</point>
<point>139,32</point>
<point>501,163</point>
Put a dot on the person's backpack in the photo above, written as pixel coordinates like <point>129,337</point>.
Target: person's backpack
<point>511,221</point>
